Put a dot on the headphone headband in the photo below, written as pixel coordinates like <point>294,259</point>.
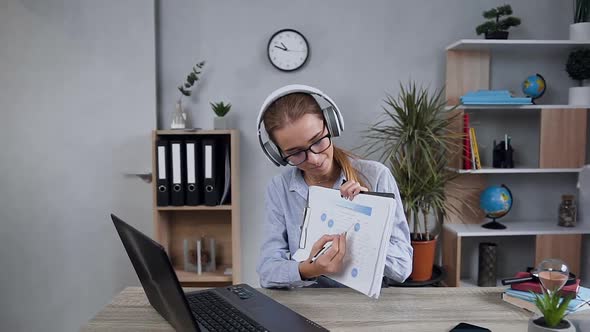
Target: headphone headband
<point>332,116</point>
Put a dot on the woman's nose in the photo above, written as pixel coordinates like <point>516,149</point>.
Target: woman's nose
<point>313,158</point>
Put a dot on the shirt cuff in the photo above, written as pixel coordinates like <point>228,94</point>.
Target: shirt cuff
<point>296,277</point>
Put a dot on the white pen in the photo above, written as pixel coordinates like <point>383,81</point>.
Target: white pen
<point>327,246</point>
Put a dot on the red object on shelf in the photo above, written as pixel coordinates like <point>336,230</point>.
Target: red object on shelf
<point>466,142</point>
<point>535,286</point>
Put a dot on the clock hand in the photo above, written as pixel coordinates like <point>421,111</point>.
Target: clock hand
<point>280,48</point>
<point>285,47</point>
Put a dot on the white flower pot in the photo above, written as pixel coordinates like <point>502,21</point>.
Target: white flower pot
<point>580,31</point>
<point>533,327</point>
<point>220,123</point>
<point>579,95</point>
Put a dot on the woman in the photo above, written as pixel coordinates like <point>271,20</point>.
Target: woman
<point>296,125</point>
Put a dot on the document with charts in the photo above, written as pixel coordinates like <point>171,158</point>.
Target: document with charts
<point>367,221</point>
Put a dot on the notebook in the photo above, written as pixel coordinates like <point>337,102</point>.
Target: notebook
<point>367,223</point>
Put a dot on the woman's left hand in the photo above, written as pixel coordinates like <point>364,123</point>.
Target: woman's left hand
<point>350,189</point>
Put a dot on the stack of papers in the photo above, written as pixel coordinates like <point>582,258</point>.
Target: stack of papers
<point>525,300</point>
<point>367,221</point>
<point>493,97</point>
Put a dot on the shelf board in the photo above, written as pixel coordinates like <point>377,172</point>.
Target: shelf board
<point>194,132</point>
<point>473,282</point>
<point>217,276</point>
<point>517,107</point>
<point>195,208</point>
<point>516,228</point>
<point>517,170</point>
<point>512,44</point>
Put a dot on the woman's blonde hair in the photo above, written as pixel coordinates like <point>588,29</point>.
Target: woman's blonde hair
<point>294,106</point>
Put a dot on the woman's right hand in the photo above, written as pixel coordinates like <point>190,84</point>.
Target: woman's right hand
<point>330,262</point>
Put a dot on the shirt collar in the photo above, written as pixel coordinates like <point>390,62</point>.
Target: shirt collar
<point>297,183</point>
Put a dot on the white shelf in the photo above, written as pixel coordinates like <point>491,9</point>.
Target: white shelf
<point>518,107</point>
<point>516,228</point>
<point>511,44</point>
<point>517,170</point>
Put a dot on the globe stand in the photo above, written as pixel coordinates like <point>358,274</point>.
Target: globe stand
<point>493,225</point>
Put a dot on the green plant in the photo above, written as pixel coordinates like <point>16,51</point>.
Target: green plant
<point>553,308</point>
<point>220,108</point>
<point>578,65</point>
<point>191,79</point>
<point>581,11</point>
<point>417,144</point>
<point>494,22</point>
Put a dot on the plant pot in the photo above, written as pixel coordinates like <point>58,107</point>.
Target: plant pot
<point>579,95</point>
<point>220,122</point>
<point>580,31</point>
<point>497,35</point>
<point>535,325</point>
<point>423,260</point>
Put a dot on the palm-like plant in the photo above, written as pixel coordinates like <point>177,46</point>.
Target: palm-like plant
<point>581,11</point>
<point>553,308</point>
<point>417,144</point>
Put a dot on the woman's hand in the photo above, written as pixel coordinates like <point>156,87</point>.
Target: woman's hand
<point>329,262</point>
<point>350,189</point>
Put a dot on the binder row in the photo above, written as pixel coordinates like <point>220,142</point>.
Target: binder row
<point>192,171</point>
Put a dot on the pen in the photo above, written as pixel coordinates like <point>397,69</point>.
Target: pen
<point>327,246</point>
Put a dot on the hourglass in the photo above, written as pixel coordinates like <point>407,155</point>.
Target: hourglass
<point>553,273</point>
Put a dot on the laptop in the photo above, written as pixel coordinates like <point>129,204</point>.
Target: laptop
<point>232,308</point>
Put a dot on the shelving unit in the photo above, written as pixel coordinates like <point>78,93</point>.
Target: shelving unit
<point>468,68</point>
<point>172,224</point>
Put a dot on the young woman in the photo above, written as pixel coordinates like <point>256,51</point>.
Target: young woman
<point>295,124</point>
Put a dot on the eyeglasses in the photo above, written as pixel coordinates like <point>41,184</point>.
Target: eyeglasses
<point>318,146</point>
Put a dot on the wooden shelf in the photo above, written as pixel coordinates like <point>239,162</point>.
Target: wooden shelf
<point>517,228</point>
<point>512,44</point>
<point>192,277</point>
<point>518,107</point>
<point>194,132</point>
<point>195,208</point>
<point>517,170</point>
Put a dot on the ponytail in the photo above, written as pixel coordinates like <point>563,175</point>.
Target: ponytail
<point>342,159</point>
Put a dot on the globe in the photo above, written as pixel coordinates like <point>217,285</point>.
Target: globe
<point>496,202</point>
<point>534,86</point>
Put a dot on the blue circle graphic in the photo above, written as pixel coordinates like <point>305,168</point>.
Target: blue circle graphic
<point>330,223</point>
<point>354,272</point>
<point>357,227</point>
<point>323,217</point>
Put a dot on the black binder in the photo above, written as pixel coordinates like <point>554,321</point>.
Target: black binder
<point>162,172</point>
<point>210,168</point>
<point>194,180</point>
<point>178,180</point>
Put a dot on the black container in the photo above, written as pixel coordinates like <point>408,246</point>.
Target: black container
<point>486,274</point>
<point>497,35</point>
<point>502,157</point>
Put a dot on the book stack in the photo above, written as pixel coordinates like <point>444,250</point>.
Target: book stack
<point>493,97</point>
<point>471,159</point>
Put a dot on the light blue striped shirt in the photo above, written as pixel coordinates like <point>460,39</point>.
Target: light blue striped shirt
<point>286,198</point>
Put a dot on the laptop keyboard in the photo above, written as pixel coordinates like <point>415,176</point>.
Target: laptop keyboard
<point>216,314</point>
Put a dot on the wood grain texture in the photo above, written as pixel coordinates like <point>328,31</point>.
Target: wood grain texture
<point>466,70</point>
<point>398,309</point>
<point>563,138</point>
<point>565,247</point>
<point>451,257</point>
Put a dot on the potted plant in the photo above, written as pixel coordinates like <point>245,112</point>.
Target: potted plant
<point>220,109</point>
<point>553,309</point>
<point>496,28</point>
<point>578,68</point>
<point>580,30</point>
<point>417,144</point>
<point>179,118</point>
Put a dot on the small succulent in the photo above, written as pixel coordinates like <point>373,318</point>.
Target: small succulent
<point>220,108</point>
<point>578,65</point>
<point>553,308</point>
<point>191,79</point>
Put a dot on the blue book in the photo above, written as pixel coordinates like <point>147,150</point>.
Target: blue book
<point>583,296</point>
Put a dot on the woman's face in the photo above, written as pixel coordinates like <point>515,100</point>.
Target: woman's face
<point>300,135</point>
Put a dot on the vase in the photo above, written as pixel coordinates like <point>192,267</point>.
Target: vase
<point>564,326</point>
<point>580,31</point>
<point>178,117</point>
<point>423,260</point>
<point>486,272</point>
<point>579,95</point>
<point>220,122</point>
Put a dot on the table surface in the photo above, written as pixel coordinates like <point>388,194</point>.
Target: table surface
<point>402,309</point>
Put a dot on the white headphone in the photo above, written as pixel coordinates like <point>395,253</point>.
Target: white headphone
<point>332,117</point>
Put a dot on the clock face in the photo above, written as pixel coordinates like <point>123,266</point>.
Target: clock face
<point>288,50</point>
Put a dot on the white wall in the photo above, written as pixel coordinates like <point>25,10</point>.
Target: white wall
<point>77,101</point>
<point>360,50</point>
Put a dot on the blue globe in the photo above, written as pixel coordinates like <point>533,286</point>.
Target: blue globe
<point>496,201</point>
<point>534,86</point>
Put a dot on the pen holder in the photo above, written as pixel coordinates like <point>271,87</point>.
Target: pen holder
<point>502,157</point>
<point>486,276</point>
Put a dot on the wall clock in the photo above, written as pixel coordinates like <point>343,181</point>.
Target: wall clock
<point>287,50</point>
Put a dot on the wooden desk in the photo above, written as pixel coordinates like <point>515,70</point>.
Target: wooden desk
<point>398,309</point>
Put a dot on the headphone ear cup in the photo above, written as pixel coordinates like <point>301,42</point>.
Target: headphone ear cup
<point>273,153</point>
<point>332,121</point>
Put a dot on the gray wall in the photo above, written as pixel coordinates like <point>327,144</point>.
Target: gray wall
<point>359,52</point>
<point>77,101</point>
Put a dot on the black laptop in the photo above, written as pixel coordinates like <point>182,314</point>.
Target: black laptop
<point>232,308</point>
